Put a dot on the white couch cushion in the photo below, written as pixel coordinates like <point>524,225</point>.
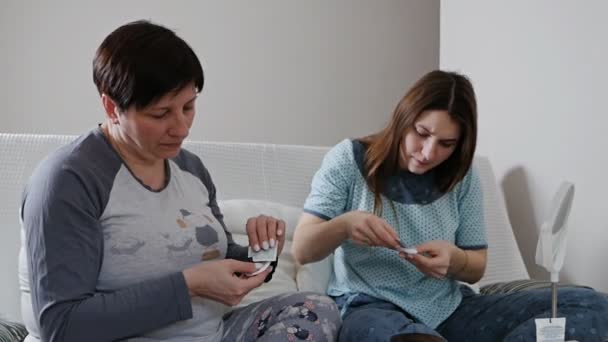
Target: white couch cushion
<point>237,211</point>
<point>314,277</point>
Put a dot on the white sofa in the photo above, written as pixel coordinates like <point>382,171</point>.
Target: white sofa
<point>251,179</point>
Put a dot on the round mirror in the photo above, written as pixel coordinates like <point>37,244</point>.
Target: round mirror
<point>551,247</point>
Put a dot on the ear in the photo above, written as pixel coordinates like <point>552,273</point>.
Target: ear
<point>111,108</point>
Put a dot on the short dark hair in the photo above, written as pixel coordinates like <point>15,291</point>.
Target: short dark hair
<point>140,62</point>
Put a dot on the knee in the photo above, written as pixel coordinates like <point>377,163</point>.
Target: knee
<point>319,299</point>
<point>323,306</point>
<point>585,298</point>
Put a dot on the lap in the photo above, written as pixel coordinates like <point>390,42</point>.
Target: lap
<point>506,317</point>
<point>370,319</point>
<point>286,317</point>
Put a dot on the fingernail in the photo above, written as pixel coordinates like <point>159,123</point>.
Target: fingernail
<point>256,248</point>
<point>279,232</point>
<point>272,242</point>
<point>265,245</point>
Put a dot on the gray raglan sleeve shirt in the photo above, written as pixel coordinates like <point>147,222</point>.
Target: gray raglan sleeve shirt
<point>188,161</point>
<point>61,207</point>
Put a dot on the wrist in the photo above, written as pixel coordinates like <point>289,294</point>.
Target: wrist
<point>463,257</point>
<point>189,282</point>
<point>342,226</point>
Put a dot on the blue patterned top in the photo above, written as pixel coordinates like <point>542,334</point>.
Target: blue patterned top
<point>421,214</point>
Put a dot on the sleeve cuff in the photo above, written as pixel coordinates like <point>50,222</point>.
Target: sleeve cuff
<point>182,296</point>
<point>317,214</point>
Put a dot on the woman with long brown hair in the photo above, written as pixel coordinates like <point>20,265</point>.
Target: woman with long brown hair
<point>411,189</point>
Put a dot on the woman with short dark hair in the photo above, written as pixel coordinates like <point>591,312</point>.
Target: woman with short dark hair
<point>125,239</point>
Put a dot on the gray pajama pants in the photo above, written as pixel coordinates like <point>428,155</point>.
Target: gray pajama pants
<point>299,316</point>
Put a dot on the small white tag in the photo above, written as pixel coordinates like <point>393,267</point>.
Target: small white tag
<point>410,251</point>
<point>550,329</point>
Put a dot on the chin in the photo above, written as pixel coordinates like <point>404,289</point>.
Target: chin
<point>417,170</point>
<point>169,154</point>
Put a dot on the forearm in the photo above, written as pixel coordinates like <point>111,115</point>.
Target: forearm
<point>467,265</point>
<point>313,241</point>
<point>110,316</point>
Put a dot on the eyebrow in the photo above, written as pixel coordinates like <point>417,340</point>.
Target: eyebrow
<point>166,108</point>
<point>448,140</point>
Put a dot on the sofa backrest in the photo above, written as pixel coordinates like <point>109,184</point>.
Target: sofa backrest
<point>276,173</point>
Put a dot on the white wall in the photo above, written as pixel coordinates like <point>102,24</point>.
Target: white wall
<point>539,68</point>
<point>279,71</point>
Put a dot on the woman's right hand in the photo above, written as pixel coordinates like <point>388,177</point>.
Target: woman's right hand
<point>219,280</point>
<point>367,229</point>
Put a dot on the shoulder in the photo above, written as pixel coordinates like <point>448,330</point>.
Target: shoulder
<point>190,163</point>
<point>88,157</point>
<point>342,153</point>
<point>82,170</point>
<point>470,184</point>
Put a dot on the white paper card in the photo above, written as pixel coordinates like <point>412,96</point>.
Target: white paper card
<point>269,254</point>
<point>550,329</point>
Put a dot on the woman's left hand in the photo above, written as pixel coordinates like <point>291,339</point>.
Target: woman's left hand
<point>266,232</point>
<point>433,258</point>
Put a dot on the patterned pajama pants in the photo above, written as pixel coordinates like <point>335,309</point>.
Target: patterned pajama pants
<point>300,316</point>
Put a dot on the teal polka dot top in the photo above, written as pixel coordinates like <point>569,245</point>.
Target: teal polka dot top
<point>421,214</point>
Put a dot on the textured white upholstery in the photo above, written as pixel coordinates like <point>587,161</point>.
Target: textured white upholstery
<point>276,173</point>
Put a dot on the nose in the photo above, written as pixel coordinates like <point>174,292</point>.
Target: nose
<point>180,125</point>
<point>429,149</point>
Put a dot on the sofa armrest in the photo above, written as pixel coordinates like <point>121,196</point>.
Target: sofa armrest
<point>521,285</point>
<point>12,331</point>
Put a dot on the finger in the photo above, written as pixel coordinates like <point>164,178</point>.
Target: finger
<point>411,258</point>
<point>437,275</point>
<point>421,262</point>
<point>429,266</point>
<point>366,230</point>
<point>391,235</point>
<point>375,231</point>
<point>361,240</point>
<point>258,279</point>
<point>373,239</point>
<point>429,249</point>
<point>420,267</point>
<point>384,234</point>
<point>237,266</point>
<point>359,237</point>
<point>271,226</point>
<point>252,233</point>
<point>388,235</point>
<point>280,236</point>
<point>281,229</point>
<point>262,231</point>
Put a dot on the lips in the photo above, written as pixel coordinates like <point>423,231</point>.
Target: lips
<point>421,163</point>
<point>172,145</point>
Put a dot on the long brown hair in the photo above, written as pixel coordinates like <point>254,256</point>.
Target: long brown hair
<point>437,90</point>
